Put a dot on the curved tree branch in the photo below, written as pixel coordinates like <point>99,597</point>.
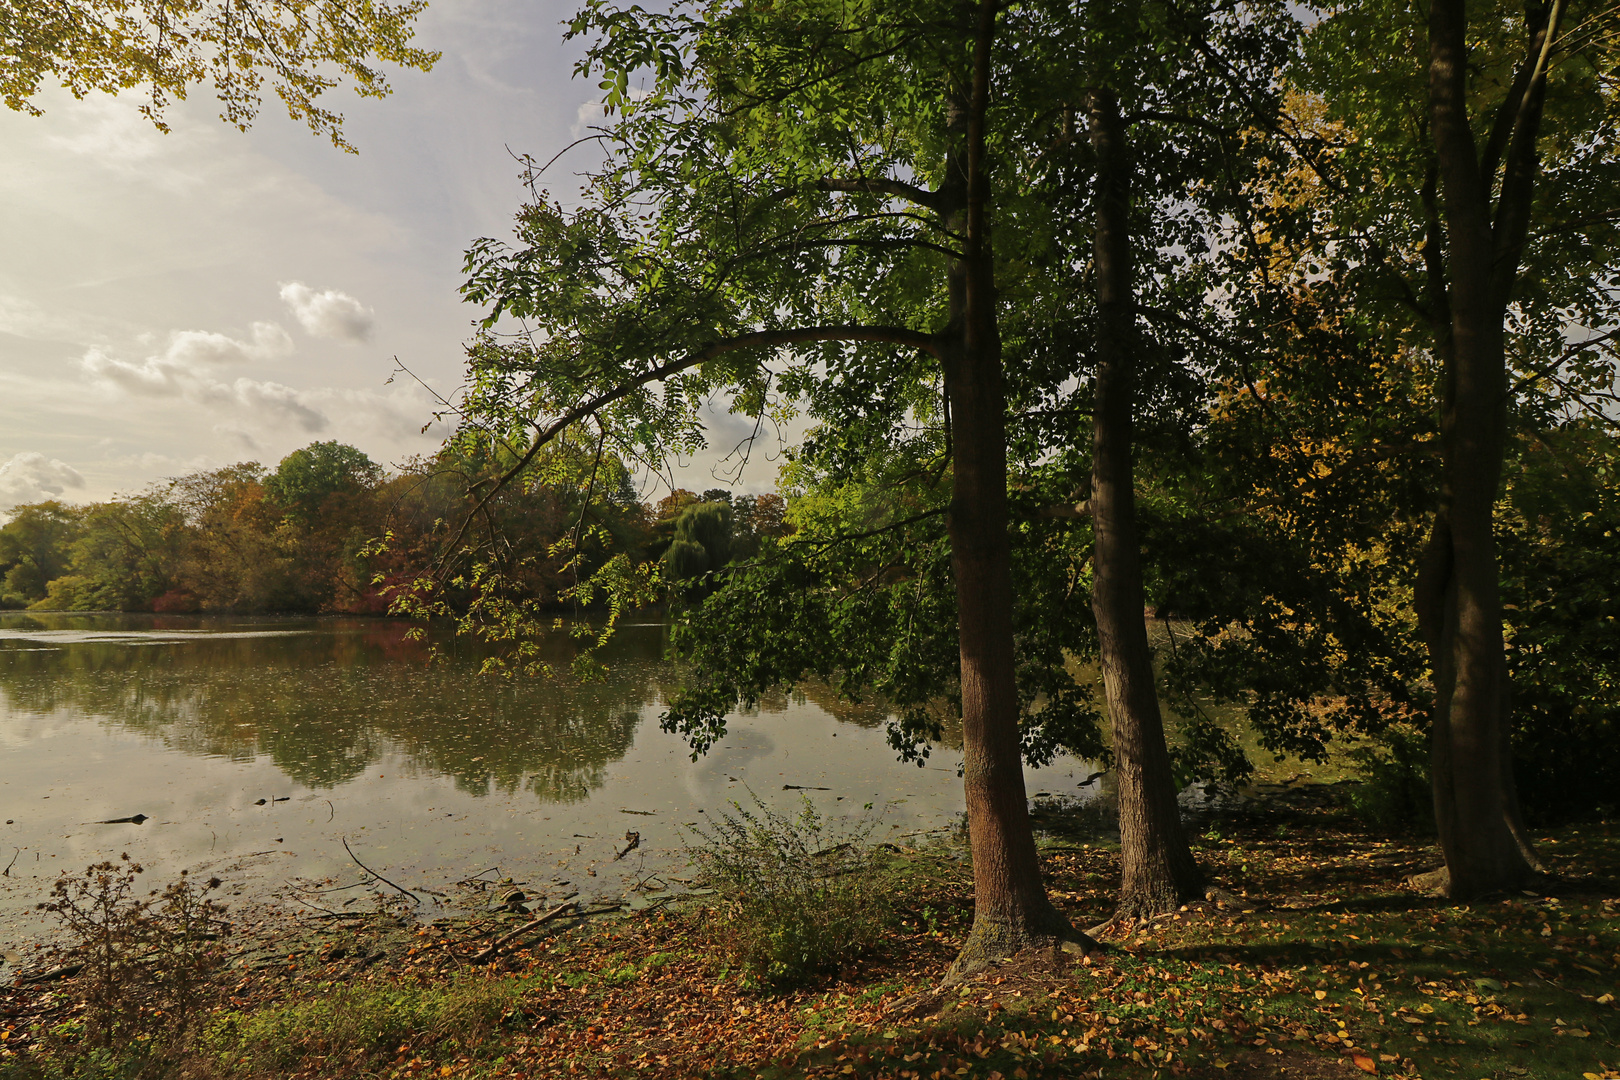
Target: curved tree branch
<point>759,339</point>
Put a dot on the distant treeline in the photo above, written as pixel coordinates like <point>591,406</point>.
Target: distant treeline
<point>305,536</point>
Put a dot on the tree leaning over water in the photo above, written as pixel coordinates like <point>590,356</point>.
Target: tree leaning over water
<point>815,190</point>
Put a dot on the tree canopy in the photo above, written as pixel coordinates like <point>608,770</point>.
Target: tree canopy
<point>297,48</point>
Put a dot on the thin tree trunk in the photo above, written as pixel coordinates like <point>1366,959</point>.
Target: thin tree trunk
<point>1159,871</point>
<point>1459,603</point>
<point>1011,910</point>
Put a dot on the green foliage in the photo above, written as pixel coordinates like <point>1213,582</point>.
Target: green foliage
<point>300,48</point>
<point>35,549</point>
<point>360,1024</point>
<point>1395,795</point>
<point>126,555</point>
<point>799,897</point>
<point>1560,541</point>
<point>307,480</point>
<point>702,540</point>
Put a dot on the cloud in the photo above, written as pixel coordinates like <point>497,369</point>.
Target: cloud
<point>187,367</point>
<point>32,477</point>
<point>185,362</point>
<point>272,401</point>
<point>328,313</point>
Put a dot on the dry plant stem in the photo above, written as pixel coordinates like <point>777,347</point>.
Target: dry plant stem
<point>376,875</point>
<point>501,941</point>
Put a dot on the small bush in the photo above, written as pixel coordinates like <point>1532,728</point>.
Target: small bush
<point>1395,794</point>
<point>147,965</point>
<point>798,896</point>
<point>355,1024</point>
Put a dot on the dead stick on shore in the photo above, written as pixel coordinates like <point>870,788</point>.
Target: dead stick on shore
<point>524,929</point>
<point>414,898</point>
<point>12,863</point>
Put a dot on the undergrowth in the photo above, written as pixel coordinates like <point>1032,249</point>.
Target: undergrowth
<point>799,896</point>
<point>356,1025</point>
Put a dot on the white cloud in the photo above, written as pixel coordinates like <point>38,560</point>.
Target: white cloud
<point>272,404</point>
<point>185,364</point>
<point>328,313</point>
<point>186,369</point>
<point>32,477</point>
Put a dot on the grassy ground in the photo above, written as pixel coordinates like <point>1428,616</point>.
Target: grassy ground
<point>1320,962</point>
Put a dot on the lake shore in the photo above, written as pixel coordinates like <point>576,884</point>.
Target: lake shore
<point>1317,955</point>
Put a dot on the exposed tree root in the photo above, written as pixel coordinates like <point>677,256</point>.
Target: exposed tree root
<point>993,941</point>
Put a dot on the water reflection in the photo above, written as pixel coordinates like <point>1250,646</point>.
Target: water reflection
<point>258,748</point>
<point>325,700</point>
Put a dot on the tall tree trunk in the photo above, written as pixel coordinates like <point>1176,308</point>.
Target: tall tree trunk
<point>1011,910</point>
<point>1159,869</point>
<point>1459,603</point>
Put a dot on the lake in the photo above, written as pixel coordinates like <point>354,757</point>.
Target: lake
<point>256,747</point>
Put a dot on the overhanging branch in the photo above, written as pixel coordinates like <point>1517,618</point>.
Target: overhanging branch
<point>759,339</point>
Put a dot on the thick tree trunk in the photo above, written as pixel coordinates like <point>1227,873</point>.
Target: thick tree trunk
<point>1159,870</point>
<point>1011,911</point>
<point>1476,806</point>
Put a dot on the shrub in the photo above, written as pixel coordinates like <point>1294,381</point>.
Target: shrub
<point>1395,794</point>
<point>147,967</point>
<point>799,897</point>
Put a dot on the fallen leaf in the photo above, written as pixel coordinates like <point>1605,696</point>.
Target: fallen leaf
<point>1365,1063</point>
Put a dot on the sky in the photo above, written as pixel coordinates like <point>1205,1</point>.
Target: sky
<point>178,302</point>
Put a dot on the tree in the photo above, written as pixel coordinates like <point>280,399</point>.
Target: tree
<point>1471,187</point>
<point>847,150</point>
<point>35,548</point>
<point>702,541</point>
<point>1459,598</point>
<point>125,557</point>
<point>308,478</point>
<point>302,48</point>
<point>1159,871</point>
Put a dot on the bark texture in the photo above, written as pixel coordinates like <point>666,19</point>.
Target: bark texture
<point>1011,911</point>
<point>1459,602</point>
<point>1159,871</point>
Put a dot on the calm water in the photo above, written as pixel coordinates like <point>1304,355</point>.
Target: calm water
<point>255,747</point>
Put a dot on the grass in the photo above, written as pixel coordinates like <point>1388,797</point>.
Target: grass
<point>1324,962</point>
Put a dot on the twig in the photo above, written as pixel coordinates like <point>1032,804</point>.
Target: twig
<point>331,810</point>
<point>496,945</point>
<point>414,898</point>
<point>15,852</point>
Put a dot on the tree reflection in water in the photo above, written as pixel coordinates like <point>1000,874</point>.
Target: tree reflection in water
<point>325,699</point>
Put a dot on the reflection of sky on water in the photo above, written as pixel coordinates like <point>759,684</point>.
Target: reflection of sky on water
<point>431,771</point>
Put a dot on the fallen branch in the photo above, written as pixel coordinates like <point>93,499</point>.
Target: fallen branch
<point>65,972</point>
<point>501,941</point>
<point>414,898</point>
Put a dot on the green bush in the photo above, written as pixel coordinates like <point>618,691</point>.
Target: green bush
<point>799,896</point>
<point>1395,794</point>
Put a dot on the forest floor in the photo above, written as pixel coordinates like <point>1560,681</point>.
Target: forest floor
<point>1319,960</point>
